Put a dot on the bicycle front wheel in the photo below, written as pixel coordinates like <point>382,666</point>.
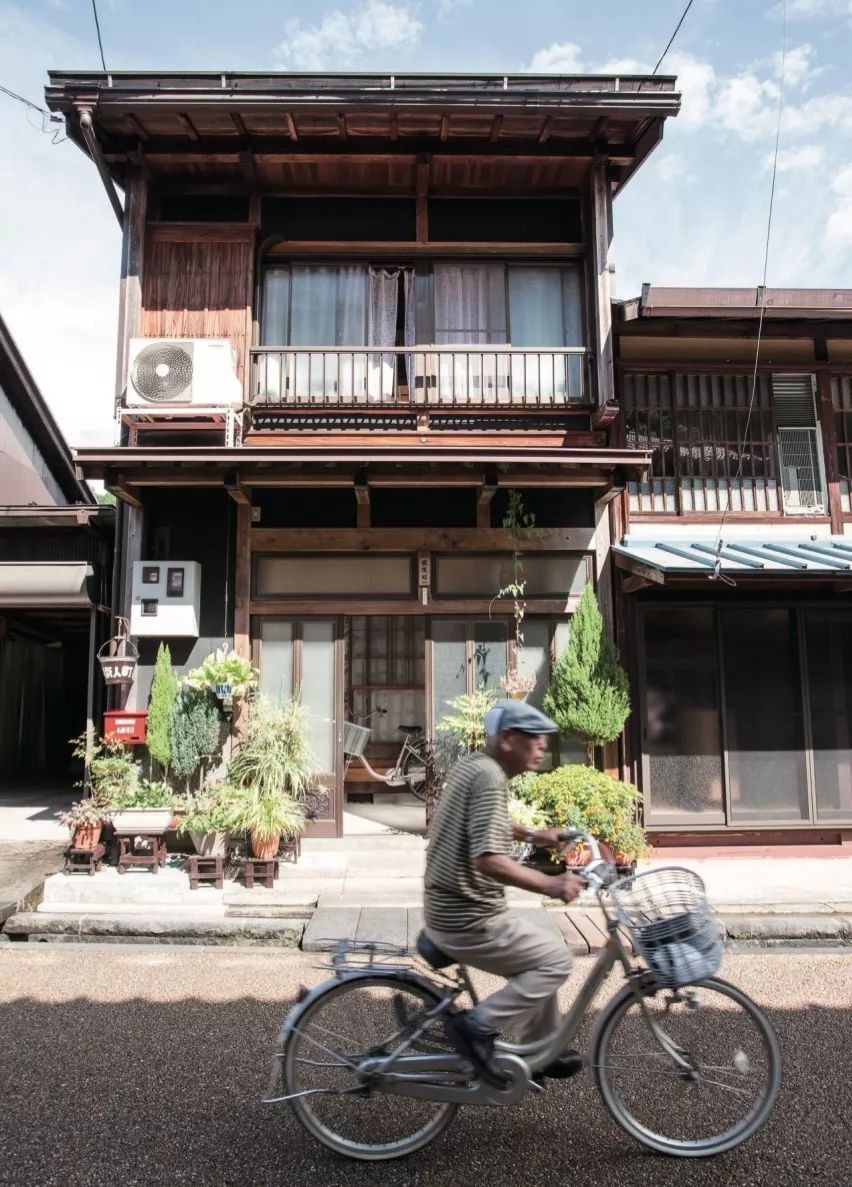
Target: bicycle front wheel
<point>357,1020</point>
<point>690,1072</point>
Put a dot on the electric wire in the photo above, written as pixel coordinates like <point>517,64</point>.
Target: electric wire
<point>47,119</point>
<point>716,574</point>
<point>671,39</point>
<point>98,29</point>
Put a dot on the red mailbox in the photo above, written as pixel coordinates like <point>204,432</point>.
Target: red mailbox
<point>128,726</point>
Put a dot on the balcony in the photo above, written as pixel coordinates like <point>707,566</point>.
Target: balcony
<point>421,377</point>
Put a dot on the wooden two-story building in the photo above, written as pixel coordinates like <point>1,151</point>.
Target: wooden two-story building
<point>734,560</point>
<point>412,273</point>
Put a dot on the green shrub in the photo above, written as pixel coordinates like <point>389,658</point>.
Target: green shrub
<point>164,692</point>
<point>112,769</point>
<point>194,731</point>
<point>526,813</point>
<point>148,793</point>
<point>580,797</point>
<point>589,694</point>
<point>464,728</point>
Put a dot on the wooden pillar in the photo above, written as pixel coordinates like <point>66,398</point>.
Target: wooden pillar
<point>601,238</point>
<point>829,451</point>
<point>242,599</point>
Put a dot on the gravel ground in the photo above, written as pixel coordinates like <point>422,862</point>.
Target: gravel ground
<point>145,1065</point>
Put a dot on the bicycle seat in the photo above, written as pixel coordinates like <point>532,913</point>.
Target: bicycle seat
<point>432,954</point>
<point>410,729</point>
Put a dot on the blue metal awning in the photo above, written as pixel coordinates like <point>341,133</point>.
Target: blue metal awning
<point>745,556</point>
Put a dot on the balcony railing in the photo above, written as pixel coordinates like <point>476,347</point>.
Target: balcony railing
<point>422,376</point>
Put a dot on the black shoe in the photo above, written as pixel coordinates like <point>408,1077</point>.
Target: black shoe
<point>567,1065</point>
<point>476,1044</point>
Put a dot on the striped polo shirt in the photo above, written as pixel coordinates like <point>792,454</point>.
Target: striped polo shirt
<point>472,819</point>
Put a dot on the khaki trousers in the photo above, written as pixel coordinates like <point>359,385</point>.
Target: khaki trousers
<point>534,960</point>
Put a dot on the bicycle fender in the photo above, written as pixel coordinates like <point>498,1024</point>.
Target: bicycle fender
<point>291,1021</point>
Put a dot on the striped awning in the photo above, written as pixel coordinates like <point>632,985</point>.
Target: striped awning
<point>741,556</point>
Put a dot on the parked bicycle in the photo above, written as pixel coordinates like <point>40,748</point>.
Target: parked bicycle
<point>409,770</point>
<point>686,1063</point>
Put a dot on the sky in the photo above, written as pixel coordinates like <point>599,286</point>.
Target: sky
<point>694,214</point>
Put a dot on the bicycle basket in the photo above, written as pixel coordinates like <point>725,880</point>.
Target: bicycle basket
<point>355,738</point>
<point>670,921</point>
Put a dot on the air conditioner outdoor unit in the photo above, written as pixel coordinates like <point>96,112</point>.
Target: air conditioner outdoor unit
<point>182,372</point>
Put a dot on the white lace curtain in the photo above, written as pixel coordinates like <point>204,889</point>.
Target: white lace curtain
<point>382,328</point>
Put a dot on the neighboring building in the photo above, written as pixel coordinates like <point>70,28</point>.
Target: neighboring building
<point>413,274</point>
<point>734,587</point>
<point>55,574</point>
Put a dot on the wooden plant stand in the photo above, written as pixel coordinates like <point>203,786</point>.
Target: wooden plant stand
<point>291,850</point>
<point>83,860</point>
<point>264,869</point>
<point>127,856</point>
<point>205,869</point>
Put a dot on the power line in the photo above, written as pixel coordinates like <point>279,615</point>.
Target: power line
<point>717,570</point>
<point>46,118</point>
<point>668,47</point>
<point>98,28</point>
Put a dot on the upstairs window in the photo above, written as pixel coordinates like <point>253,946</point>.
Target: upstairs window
<point>704,460</point>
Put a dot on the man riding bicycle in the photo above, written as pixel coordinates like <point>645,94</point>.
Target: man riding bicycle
<point>468,864</point>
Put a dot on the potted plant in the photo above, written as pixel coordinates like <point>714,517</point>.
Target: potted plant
<point>85,820</point>
<point>578,796</point>
<point>208,818</point>
<point>519,524</point>
<point>270,774</point>
<point>112,769</point>
<point>225,674</point>
<point>147,808</point>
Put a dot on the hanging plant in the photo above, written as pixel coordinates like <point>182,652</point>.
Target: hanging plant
<point>224,673</point>
<point>519,523</point>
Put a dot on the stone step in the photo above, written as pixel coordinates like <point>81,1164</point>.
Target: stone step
<point>356,843</point>
<point>169,887</point>
<point>174,928</point>
<point>364,863</point>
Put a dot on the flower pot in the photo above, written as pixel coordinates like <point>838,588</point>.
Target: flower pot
<point>210,844</point>
<point>86,836</point>
<point>132,821</point>
<point>264,848</point>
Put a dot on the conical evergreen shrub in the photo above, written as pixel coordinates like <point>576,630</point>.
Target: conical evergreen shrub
<point>589,694</point>
<point>164,692</point>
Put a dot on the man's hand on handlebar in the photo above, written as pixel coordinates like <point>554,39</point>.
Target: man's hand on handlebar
<point>566,886</point>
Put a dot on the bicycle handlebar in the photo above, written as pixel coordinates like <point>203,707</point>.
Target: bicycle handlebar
<point>598,873</point>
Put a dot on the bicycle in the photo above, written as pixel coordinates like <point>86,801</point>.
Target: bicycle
<point>410,766</point>
<point>367,1071</point>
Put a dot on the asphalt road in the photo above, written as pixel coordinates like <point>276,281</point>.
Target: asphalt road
<point>145,1065</point>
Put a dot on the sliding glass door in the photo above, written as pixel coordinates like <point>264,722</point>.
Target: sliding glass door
<point>303,658</point>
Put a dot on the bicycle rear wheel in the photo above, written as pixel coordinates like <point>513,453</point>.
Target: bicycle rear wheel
<point>414,774</point>
<point>356,1020</point>
<point>723,1095</point>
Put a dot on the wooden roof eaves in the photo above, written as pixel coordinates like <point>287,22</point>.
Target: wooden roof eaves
<point>29,404</point>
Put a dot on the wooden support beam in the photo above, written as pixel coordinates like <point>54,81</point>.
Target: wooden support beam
<point>417,540</point>
<point>496,129</point>
<point>362,498</point>
<point>136,128</point>
<point>424,169</point>
<point>601,235</point>
<point>604,416</point>
<point>394,126</point>
<point>128,494</point>
<point>186,122</point>
<point>249,170</point>
<point>546,130</point>
<point>237,491</point>
<point>239,123</point>
<point>484,499</point>
<point>445,127</point>
<point>410,606</point>
<point>291,126</point>
<point>608,493</point>
<point>829,451</point>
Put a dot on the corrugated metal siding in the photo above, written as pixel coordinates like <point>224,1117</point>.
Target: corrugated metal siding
<point>37,545</point>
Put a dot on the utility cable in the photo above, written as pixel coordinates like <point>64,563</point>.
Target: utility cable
<point>717,570</point>
<point>98,29</point>
<point>46,117</point>
<point>671,39</point>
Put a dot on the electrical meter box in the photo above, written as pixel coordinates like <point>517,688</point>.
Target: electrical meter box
<point>166,599</point>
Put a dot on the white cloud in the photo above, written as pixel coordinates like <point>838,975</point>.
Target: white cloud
<point>622,66</point>
<point>792,160</point>
<point>806,10</point>
<point>563,57</point>
<point>448,8</point>
<point>838,229</point>
<point>342,38</point>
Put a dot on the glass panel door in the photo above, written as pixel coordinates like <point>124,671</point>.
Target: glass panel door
<point>302,657</point>
<point>828,641</point>
<point>767,771</point>
<point>683,773</point>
